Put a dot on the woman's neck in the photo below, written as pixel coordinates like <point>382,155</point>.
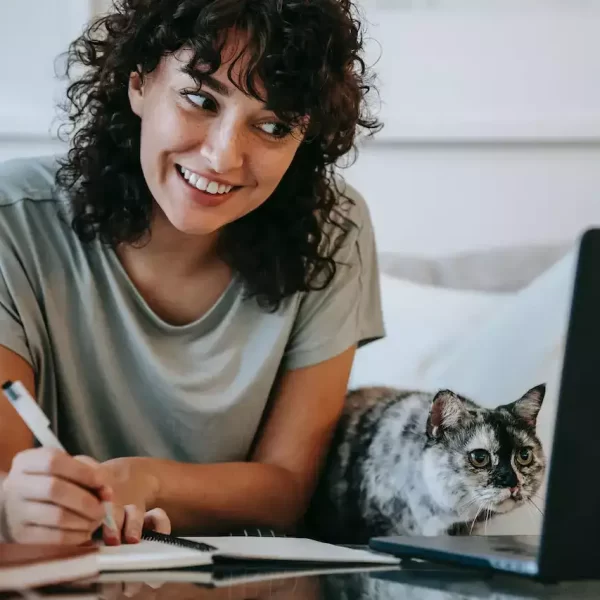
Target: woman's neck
<point>180,276</point>
<point>166,249</point>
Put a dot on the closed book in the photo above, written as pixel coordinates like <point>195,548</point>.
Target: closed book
<point>25,566</point>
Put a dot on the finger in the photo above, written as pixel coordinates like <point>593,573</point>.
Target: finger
<point>88,460</point>
<point>105,492</point>
<point>157,520</point>
<point>49,461</point>
<point>50,515</point>
<point>134,521</point>
<point>37,534</point>
<point>44,488</point>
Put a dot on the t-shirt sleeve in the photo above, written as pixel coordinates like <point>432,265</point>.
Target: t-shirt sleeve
<point>19,179</point>
<point>348,311</point>
<point>12,332</point>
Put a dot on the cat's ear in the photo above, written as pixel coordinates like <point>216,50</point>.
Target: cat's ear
<point>447,410</point>
<point>528,407</point>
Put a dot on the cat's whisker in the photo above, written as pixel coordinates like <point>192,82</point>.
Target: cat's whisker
<point>475,520</point>
<point>536,506</point>
<point>487,516</point>
<point>466,507</point>
<point>469,504</point>
<point>529,510</point>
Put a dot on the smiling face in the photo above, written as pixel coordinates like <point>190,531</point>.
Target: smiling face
<point>210,154</point>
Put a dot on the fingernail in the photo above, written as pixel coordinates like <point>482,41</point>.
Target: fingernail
<point>113,540</point>
<point>106,493</point>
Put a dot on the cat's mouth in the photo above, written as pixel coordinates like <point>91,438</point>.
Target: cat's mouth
<point>509,499</point>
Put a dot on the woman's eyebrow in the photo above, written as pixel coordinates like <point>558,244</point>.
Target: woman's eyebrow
<point>215,85</point>
<point>209,81</point>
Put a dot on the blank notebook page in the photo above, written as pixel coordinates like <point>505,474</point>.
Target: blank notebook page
<point>291,549</point>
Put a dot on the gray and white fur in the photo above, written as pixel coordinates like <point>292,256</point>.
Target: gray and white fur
<point>413,463</point>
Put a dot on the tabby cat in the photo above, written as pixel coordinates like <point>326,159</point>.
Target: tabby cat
<point>413,463</point>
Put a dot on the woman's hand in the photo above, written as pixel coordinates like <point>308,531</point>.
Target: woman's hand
<point>51,497</point>
<point>134,492</point>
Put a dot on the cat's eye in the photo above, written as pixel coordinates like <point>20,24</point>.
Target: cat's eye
<point>524,457</point>
<point>479,458</point>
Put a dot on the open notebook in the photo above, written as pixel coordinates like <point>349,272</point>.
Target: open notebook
<point>158,551</point>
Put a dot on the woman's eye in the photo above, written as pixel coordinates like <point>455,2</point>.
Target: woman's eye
<point>479,458</point>
<point>525,457</point>
<point>202,101</point>
<point>277,130</point>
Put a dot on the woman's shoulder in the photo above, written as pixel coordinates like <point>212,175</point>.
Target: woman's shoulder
<point>353,203</point>
<point>29,199</point>
<point>352,212</point>
<point>33,214</point>
<point>31,178</point>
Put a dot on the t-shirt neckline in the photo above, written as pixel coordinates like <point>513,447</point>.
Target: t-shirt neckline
<point>205,322</point>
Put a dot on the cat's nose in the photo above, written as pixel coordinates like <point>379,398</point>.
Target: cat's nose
<point>514,491</point>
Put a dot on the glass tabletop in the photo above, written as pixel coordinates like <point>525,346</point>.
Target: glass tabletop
<point>412,580</point>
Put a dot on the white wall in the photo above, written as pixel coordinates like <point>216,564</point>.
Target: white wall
<point>492,113</point>
<point>438,198</point>
<point>32,36</point>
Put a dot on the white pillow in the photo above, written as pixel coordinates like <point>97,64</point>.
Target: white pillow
<point>423,324</point>
<point>520,347</point>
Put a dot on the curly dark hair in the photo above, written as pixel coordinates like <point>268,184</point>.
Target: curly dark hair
<point>307,56</point>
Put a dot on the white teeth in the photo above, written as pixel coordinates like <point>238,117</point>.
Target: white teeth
<point>203,184</point>
<point>213,187</point>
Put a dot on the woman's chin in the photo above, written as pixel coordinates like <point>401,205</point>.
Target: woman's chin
<point>192,224</point>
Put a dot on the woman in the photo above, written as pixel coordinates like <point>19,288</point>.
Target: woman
<point>185,291</point>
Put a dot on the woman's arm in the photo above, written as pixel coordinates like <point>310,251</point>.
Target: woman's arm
<point>273,490</point>
<point>14,433</point>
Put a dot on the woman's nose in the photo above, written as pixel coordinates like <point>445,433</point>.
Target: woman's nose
<point>223,147</point>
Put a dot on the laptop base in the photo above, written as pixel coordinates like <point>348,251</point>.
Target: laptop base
<point>512,554</point>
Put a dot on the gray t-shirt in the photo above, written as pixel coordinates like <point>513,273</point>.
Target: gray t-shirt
<point>114,378</point>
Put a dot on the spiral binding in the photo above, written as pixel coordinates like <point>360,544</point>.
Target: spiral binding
<point>256,532</point>
<point>154,536</point>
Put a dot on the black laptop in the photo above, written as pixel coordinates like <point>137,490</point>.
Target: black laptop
<point>568,546</point>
